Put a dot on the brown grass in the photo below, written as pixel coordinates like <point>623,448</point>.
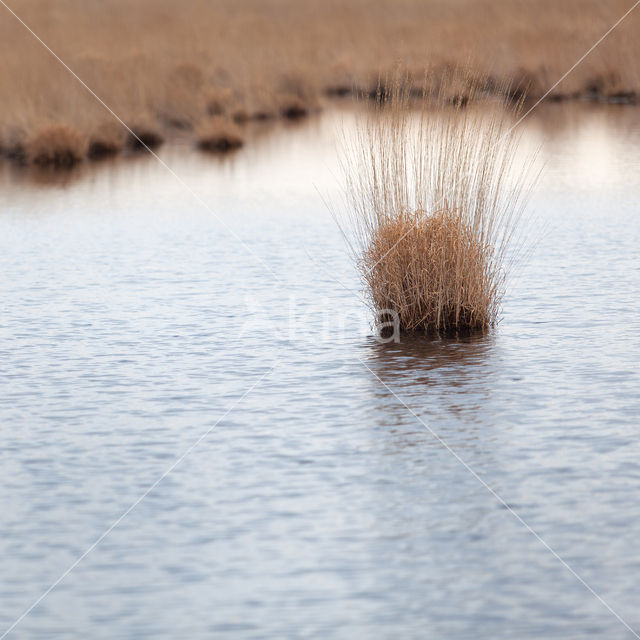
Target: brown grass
<point>172,65</point>
<point>56,146</point>
<point>14,147</point>
<point>220,136</point>
<point>435,206</point>
<point>293,107</point>
<point>108,140</point>
<point>431,270</point>
<point>144,137</point>
<point>219,101</point>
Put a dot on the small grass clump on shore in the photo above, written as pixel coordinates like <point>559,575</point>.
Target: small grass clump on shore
<point>171,66</point>
<point>56,146</point>
<point>293,108</point>
<point>108,140</point>
<point>434,206</point>
<point>14,148</point>
<point>220,136</point>
<point>144,138</point>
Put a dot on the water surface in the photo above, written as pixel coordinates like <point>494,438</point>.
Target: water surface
<point>319,504</point>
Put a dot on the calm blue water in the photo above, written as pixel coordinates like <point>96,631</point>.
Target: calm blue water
<point>318,504</point>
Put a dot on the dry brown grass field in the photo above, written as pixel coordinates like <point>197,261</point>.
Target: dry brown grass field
<point>168,68</point>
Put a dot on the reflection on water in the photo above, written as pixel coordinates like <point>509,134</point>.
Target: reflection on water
<point>454,374</point>
<point>133,318</point>
<point>412,359</point>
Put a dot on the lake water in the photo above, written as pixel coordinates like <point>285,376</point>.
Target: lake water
<point>318,504</point>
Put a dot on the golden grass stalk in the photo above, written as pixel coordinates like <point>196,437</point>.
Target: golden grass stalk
<point>435,204</point>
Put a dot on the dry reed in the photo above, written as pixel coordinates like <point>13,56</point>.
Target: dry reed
<point>293,107</point>
<point>56,146</point>
<point>435,205</point>
<point>144,137</point>
<point>108,140</point>
<point>220,136</point>
<point>173,65</point>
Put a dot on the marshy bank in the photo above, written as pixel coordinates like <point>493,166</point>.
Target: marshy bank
<point>167,69</point>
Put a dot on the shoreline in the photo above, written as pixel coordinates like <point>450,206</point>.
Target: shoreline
<point>205,70</point>
<point>64,149</point>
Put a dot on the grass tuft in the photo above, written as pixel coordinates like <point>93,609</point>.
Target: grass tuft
<point>218,101</point>
<point>107,141</point>
<point>56,146</point>
<point>171,66</point>
<point>293,107</point>
<point>143,138</point>
<point>220,136</point>
<point>14,148</point>
<point>435,204</point>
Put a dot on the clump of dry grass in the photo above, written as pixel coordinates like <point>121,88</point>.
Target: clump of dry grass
<point>56,146</point>
<point>434,206</point>
<point>431,271</point>
<point>218,101</point>
<point>220,136</point>
<point>108,140</point>
<point>143,138</point>
<point>241,114</point>
<point>293,107</point>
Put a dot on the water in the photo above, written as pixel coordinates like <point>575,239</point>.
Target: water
<point>318,503</point>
